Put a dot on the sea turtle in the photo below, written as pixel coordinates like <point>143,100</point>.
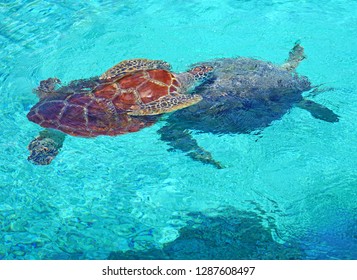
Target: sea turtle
<point>242,95</point>
<point>126,98</point>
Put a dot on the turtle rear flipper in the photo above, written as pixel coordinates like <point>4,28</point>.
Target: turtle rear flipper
<point>318,111</point>
<point>180,139</point>
<point>132,65</point>
<point>296,55</point>
<point>45,147</point>
<point>165,104</point>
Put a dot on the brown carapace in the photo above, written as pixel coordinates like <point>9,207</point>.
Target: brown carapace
<point>115,105</point>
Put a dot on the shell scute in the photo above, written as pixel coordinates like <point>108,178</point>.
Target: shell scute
<point>176,83</point>
<point>126,100</point>
<point>100,116</point>
<point>50,110</point>
<point>73,116</point>
<point>132,81</point>
<point>161,76</point>
<point>106,91</point>
<point>79,99</point>
<point>173,89</point>
<point>151,91</point>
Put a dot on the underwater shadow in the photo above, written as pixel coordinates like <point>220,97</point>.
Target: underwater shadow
<point>230,235</point>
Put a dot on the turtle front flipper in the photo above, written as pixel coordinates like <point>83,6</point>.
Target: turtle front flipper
<point>83,86</point>
<point>318,111</point>
<point>180,139</point>
<point>45,147</point>
<point>47,88</point>
<point>296,55</point>
<point>132,65</point>
<point>165,104</point>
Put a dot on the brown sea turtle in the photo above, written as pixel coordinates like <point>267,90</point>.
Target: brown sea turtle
<point>126,98</point>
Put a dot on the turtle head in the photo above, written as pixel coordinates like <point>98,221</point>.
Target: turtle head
<point>201,72</point>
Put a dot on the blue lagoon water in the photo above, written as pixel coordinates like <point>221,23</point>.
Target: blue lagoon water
<point>289,192</point>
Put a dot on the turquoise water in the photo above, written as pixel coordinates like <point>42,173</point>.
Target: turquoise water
<point>289,192</point>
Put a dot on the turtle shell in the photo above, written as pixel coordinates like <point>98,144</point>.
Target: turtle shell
<point>103,110</point>
<point>139,88</point>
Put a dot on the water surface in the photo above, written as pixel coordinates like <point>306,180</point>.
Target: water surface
<point>119,197</point>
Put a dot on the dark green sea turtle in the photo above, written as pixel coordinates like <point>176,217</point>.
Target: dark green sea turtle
<point>242,95</point>
<point>126,98</point>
